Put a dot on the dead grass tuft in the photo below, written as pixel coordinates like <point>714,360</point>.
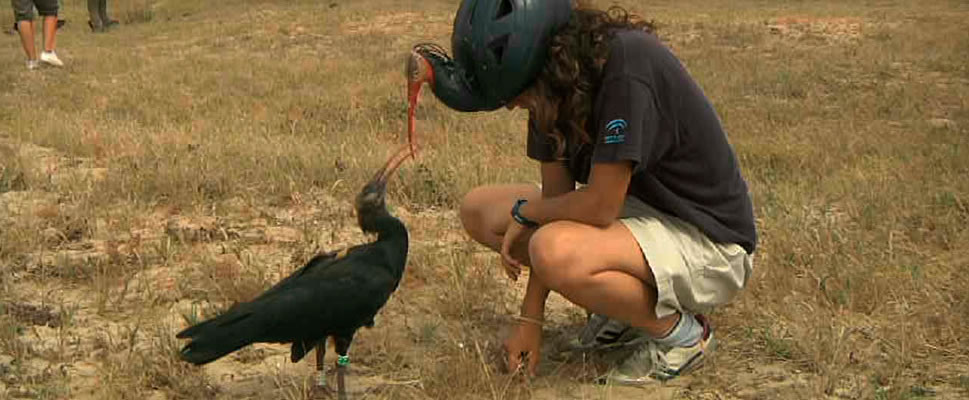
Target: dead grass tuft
<point>139,360</point>
<point>138,11</point>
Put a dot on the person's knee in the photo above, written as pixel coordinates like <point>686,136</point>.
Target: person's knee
<point>554,253</point>
<point>472,213</point>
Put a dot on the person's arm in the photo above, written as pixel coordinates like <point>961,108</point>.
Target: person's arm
<point>628,138</point>
<point>597,204</point>
<point>556,181</point>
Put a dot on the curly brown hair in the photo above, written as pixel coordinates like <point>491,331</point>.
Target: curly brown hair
<point>563,92</point>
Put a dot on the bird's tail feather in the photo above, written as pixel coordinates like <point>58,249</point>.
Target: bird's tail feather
<point>218,337</point>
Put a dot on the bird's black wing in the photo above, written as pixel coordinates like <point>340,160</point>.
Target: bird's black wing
<point>318,262</point>
<point>311,308</point>
<point>315,264</point>
<point>331,296</point>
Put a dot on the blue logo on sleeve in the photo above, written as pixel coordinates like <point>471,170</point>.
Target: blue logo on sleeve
<point>615,132</point>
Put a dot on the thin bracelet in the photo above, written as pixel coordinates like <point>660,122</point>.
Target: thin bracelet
<point>530,320</point>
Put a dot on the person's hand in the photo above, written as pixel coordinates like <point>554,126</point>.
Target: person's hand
<point>512,266</point>
<point>523,347</point>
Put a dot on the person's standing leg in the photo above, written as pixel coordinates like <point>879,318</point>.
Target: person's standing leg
<point>60,22</point>
<point>26,29</point>
<point>50,33</point>
<point>48,9</point>
<point>94,15</point>
<point>103,10</point>
<point>24,15</point>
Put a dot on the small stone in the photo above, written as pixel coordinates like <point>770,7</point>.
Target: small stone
<point>66,261</point>
<point>185,229</point>
<point>282,234</point>
<point>85,369</point>
<point>22,392</point>
<point>942,123</point>
<point>157,395</point>
<point>52,235</point>
<point>5,362</point>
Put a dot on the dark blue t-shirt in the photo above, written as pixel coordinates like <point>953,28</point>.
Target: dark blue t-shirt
<point>651,112</point>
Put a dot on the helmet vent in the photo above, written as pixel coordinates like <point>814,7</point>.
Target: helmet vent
<point>498,47</point>
<point>504,8</point>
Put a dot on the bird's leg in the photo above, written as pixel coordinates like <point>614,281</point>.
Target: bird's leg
<point>342,362</point>
<point>320,366</point>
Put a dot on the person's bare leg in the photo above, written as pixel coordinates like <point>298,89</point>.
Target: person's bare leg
<point>486,212</point>
<point>26,29</point>
<point>602,270</point>
<point>50,32</point>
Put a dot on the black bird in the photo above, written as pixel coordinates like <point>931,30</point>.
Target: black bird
<point>333,295</point>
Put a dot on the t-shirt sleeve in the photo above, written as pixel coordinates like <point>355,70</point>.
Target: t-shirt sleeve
<point>540,147</point>
<point>627,124</point>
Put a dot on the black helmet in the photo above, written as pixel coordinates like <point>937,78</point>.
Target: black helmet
<point>500,47</point>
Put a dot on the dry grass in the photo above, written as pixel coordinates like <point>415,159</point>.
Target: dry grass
<point>189,159</point>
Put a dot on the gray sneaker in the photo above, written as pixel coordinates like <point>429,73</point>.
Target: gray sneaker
<point>658,363</point>
<point>604,333</point>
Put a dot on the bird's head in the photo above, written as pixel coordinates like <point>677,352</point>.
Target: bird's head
<point>370,204</point>
<point>418,71</point>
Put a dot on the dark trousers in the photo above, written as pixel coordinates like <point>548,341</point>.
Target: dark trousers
<point>98,10</point>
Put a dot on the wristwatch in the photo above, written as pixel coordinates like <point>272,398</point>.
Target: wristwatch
<point>516,214</point>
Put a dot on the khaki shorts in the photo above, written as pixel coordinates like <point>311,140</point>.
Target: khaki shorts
<point>693,273</point>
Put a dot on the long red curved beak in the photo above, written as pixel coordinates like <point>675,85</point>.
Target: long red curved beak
<point>392,163</point>
<point>418,72</point>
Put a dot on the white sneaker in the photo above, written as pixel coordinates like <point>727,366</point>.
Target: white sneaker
<point>50,57</point>
<point>33,64</point>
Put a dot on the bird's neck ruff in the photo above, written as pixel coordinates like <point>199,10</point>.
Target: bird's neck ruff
<point>384,225</point>
<point>392,236</point>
